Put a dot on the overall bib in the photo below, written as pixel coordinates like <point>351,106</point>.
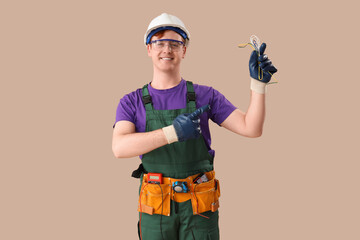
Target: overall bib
<point>173,216</point>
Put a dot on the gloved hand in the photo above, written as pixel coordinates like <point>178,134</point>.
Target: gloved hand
<point>265,65</point>
<point>185,126</point>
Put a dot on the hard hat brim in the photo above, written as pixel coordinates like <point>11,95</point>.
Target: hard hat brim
<point>175,29</point>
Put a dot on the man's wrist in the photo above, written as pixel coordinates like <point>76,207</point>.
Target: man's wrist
<point>170,134</point>
<point>258,86</point>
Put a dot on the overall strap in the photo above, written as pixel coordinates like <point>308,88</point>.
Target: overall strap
<point>190,96</point>
<point>146,98</point>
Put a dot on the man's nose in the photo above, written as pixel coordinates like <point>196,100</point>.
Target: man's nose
<point>167,48</point>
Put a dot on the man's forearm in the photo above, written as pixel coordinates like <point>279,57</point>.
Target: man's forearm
<point>255,115</point>
<point>128,143</point>
<point>135,144</point>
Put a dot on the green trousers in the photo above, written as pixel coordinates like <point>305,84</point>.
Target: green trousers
<point>180,225</point>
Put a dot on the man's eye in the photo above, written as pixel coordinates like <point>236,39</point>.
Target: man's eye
<point>160,44</point>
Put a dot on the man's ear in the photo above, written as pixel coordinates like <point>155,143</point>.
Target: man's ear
<point>184,52</point>
<point>148,50</point>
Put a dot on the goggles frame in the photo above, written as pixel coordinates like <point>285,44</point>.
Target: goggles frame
<point>169,40</point>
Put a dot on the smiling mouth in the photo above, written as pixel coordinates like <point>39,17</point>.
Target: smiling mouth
<point>167,59</point>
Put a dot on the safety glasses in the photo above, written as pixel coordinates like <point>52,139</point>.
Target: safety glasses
<point>160,44</point>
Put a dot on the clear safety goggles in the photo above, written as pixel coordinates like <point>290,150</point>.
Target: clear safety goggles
<point>160,44</point>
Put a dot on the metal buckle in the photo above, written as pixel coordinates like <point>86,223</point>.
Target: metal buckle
<point>191,96</point>
<point>146,99</point>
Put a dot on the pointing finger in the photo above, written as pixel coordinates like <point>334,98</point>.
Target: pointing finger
<point>199,111</point>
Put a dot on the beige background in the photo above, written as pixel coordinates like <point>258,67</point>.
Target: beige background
<point>65,65</point>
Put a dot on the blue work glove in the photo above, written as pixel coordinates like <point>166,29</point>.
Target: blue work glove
<point>185,126</point>
<point>265,64</point>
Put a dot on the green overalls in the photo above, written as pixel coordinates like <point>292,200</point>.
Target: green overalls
<point>177,160</point>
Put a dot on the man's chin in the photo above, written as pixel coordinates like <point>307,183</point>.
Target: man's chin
<point>167,68</point>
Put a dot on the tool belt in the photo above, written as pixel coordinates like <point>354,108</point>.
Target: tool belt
<point>155,198</point>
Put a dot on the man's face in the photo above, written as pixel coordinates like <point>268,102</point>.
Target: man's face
<point>167,59</point>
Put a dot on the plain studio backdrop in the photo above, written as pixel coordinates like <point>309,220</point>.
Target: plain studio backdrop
<point>66,64</point>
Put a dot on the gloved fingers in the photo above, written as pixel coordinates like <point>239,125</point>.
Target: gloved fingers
<point>198,130</point>
<point>265,66</point>
<point>196,120</point>
<point>199,111</point>
<point>253,59</point>
<point>262,49</point>
<point>196,127</point>
<point>272,69</point>
<point>265,63</point>
<point>262,58</point>
<point>268,68</point>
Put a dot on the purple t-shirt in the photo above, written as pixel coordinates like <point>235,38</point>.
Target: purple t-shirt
<point>132,109</point>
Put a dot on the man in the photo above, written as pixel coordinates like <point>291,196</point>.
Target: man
<point>166,124</point>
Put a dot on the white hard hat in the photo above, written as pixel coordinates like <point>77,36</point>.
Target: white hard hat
<point>166,22</point>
